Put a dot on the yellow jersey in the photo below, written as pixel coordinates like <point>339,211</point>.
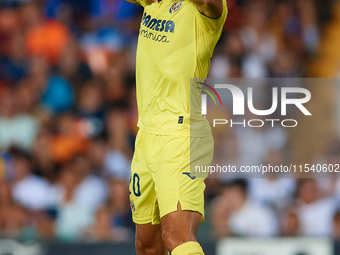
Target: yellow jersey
<point>176,43</point>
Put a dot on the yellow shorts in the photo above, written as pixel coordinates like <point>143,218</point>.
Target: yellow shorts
<point>160,175</point>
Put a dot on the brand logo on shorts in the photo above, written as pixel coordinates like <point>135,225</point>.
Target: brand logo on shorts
<point>191,177</point>
<point>132,205</point>
<point>175,7</point>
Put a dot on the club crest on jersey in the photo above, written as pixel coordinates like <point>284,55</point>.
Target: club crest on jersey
<point>175,7</point>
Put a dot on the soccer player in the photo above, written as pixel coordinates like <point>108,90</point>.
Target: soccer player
<point>176,42</point>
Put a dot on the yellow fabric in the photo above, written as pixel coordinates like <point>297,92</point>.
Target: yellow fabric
<point>189,248</point>
<point>160,175</point>
<point>175,44</point>
<point>2,168</point>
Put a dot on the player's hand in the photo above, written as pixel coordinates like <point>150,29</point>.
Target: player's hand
<point>210,8</point>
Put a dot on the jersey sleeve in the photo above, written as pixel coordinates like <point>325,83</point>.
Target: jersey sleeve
<point>143,3</point>
<point>213,25</point>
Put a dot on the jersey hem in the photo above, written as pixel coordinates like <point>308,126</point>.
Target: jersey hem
<point>188,133</point>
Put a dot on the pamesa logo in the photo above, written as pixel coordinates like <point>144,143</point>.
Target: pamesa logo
<point>239,102</point>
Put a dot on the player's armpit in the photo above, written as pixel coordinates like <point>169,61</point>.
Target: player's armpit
<point>210,8</point>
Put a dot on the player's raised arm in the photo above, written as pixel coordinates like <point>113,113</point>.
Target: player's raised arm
<point>210,8</point>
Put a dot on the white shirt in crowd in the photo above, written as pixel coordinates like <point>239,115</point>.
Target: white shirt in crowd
<point>118,165</point>
<point>253,220</point>
<point>20,130</point>
<point>90,193</point>
<point>274,192</point>
<point>316,218</point>
<point>32,192</point>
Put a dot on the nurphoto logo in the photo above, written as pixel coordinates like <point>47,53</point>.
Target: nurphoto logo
<point>239,102</point>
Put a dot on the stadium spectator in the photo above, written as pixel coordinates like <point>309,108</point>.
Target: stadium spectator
<point>73,216</point>
<point>272,192</point>
<point>16,128</point>
<point>43,37</point>
<point>244,217</point>
<point>312,206</point>
<point>28,190</point>
<point>13,218</point>
<point>80,186</point>
<point>290,223</point>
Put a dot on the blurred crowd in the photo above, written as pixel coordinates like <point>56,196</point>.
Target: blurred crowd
<point>267,207</point>
<point>68,118</point>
